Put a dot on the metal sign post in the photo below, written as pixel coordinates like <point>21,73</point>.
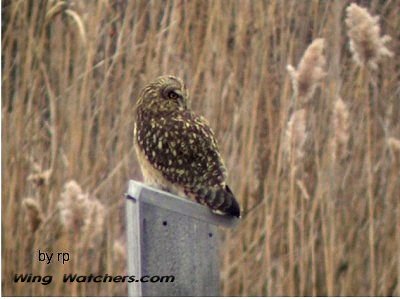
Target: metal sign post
<point>170,236</point>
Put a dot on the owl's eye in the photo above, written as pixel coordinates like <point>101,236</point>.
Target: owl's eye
<point>172,95</point>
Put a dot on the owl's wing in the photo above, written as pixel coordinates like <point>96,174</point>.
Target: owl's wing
<point>187,151</point>
<point>183,148</point>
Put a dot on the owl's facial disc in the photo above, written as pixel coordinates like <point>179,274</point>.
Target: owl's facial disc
<point>174,94</point>
<point>166,93</point>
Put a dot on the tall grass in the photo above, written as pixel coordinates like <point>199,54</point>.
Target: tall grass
<point>326,223</point>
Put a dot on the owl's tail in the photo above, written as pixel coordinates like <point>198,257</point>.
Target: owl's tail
<point>220,200</point>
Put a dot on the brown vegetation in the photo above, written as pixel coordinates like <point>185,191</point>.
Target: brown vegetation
<point>318,177</point>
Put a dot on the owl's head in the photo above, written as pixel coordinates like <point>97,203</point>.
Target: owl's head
<point>165,94</point>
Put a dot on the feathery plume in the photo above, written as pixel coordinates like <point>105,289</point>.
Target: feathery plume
<point>40,178</point>
<point>341,129</point>
<point>394,145</point>
<point>310,71</point>
<point>34,214</point>
<point>366,44</point>
<point>296,135</point>
<point>119,253</point>
<point>80,213</point>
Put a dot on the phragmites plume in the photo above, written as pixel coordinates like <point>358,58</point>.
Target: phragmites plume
<point>39,177</point>
<point>296,135</point>
<point>119,253</point>
<point>394,145</point>
<point>34,214</point>
<point>341,129</point>
<point>309,72</point>
<point>366,44</point>
<point>79,212</point>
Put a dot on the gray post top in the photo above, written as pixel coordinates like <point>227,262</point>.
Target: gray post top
<point>141,192</point>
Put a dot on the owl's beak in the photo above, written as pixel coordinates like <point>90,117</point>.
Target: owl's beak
<point>179,93</point>
<point>181,98</point>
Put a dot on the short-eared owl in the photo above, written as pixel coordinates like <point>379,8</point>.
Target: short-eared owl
<point>176,148</point>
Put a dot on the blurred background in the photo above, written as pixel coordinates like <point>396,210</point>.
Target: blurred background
<point>326,224</point>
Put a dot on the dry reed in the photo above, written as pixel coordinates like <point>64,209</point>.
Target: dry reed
<point>71,73</point>
<point>368,48</point>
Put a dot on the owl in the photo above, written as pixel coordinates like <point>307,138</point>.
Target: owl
<point>176,148</point>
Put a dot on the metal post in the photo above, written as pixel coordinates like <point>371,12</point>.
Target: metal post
<point>168,235</point>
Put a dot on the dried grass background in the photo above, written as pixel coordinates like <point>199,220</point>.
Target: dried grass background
<point>319,219</point>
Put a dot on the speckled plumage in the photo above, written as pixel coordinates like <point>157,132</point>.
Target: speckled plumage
<point>176,148</point>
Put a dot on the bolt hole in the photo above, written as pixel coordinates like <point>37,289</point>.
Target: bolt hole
<point>164,223</point>
<point>210,235</point>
